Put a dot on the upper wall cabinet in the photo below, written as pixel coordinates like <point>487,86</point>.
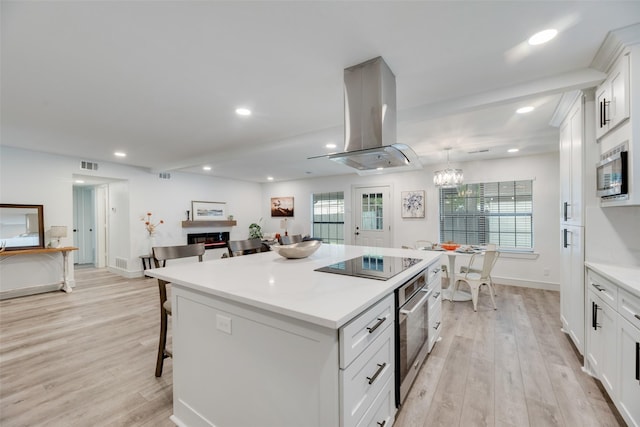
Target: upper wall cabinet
<point>612,98</point>
<point>572,163</point>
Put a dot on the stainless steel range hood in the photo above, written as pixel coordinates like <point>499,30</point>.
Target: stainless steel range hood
<point>370,121</point>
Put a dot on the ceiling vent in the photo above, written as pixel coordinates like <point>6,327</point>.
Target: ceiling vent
<point>88,166</point>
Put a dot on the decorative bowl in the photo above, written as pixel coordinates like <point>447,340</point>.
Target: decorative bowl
<point>450,246</point>
<point>297,250</point>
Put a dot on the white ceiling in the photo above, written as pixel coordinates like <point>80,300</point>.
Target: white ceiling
<point>161,80</point>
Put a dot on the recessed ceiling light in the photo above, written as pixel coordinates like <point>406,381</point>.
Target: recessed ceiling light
<point>206,168</point>
<point>525,110</point>
<point>380,168</point>
<point>542,37</point>
<point>79,181</point>
<point>120,154</point>
<point>243,111</point>
<point>331,145</point>
<point>512,150</point>
<point>269,178</point>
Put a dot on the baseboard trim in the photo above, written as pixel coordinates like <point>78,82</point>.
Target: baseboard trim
<point>547,286</point>
<point>125,273</point>
<point>31,290</point>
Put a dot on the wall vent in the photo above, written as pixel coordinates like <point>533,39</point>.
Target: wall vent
<point>121,263</point>
<point>88,166</point>
<point>164,175</point>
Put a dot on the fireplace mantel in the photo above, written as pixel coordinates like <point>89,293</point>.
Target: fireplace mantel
<point>225,223</point>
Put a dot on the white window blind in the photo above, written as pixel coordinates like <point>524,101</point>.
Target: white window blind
<point>493,212</point>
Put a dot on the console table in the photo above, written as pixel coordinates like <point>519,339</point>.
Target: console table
<point>65,252</point>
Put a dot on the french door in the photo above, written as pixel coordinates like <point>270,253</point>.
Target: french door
<point>372,220</point>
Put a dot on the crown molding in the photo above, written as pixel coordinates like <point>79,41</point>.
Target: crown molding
<point>614,45</point>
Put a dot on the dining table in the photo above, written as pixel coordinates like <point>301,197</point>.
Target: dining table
<point>451,255</point>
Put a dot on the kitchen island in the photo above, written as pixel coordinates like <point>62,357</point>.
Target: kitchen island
<point>264,340</point>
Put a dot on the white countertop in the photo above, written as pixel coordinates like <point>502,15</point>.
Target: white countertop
<point>291,287</point>
<point>627,278</point>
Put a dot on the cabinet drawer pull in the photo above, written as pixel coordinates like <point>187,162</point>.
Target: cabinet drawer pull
<point>638,361</point>
<point>598,287</point>
<point>565,208</point>
<point>377,325</point>
<point>380,369</point>
<point>637,316</point>
<point>382,424</point>
<point>436,295</point>
<point>437,326</point>
<point>594,315</point>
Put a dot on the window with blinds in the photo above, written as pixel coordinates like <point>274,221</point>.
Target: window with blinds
<point>493,212</point>
<point>328,217</point>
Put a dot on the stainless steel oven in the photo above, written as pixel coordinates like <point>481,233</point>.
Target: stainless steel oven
<point>412,331</point>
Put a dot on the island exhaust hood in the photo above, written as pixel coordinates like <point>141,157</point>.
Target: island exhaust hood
<point>370,121</point>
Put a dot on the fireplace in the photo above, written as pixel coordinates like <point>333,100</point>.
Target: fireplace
<point>215,240</point>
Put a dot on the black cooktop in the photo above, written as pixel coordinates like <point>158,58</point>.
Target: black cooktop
<point>371,266</point>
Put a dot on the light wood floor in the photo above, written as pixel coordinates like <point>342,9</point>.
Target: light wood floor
<point>87,359</point>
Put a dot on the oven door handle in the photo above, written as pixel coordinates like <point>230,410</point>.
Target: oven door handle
<point>418,304</point>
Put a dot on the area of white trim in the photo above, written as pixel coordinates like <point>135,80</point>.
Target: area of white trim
<point>510,281</point>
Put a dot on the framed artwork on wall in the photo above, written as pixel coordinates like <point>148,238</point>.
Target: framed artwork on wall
<point>413,204</point>
<point>208,211</point>
<point>282,207</point>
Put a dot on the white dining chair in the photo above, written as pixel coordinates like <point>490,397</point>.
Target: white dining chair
<point>475,280</point>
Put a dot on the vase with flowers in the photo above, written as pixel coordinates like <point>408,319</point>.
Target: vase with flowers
<point>150,226</point>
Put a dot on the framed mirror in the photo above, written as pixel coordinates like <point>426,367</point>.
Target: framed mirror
<point>21,227</point>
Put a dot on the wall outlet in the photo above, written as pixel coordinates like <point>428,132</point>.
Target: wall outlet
<point>546,272</point>
<point>223,323</point>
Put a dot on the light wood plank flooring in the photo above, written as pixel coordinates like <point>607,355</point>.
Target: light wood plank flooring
<point>87,359</point>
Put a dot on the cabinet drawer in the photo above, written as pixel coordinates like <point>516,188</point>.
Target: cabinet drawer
<point>382,411</point>
<point>435,324</point>
<point>365,378</point>
<point>629,307</point>
<point>434,272</point>
<point>606,290</point>
<point>436,296</point>
<point>364,329</point>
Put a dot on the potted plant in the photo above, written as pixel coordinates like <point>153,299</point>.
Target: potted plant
<point>255,231</point>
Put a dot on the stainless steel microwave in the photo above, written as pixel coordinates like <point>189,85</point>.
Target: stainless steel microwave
<point>611,175</point>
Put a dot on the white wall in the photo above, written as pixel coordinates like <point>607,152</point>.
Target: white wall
<point>39,178</point>
<point>544,169</point>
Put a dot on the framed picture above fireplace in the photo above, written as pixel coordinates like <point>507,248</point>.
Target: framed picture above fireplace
<point>208,211</point>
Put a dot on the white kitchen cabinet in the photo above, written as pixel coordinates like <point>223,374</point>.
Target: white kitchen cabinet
<point>629,372</point>
<point>601,335</point>
<point>572,294</point>
<point>573,136</point>
<point>572,159</point>
<point>612,98</point>
<point>629,353</point>
<point>367,362</point>
<point>435,311</point>
<point>613,335</point>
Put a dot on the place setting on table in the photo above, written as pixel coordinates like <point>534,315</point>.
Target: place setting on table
<point>452,250</point>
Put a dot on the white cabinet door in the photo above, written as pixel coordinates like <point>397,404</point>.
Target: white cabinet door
<point>572,164</point>
<point>572,285</point>
<point>565,170</point>
<point>612,98</point>
<point>619,106</point>
<point>629,372</point>
<point>601,350</point>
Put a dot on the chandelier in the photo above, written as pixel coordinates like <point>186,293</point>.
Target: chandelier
<point>448,178</point>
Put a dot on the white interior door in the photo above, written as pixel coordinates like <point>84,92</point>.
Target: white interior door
<point>84,236</point>
<point>372,220</point>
